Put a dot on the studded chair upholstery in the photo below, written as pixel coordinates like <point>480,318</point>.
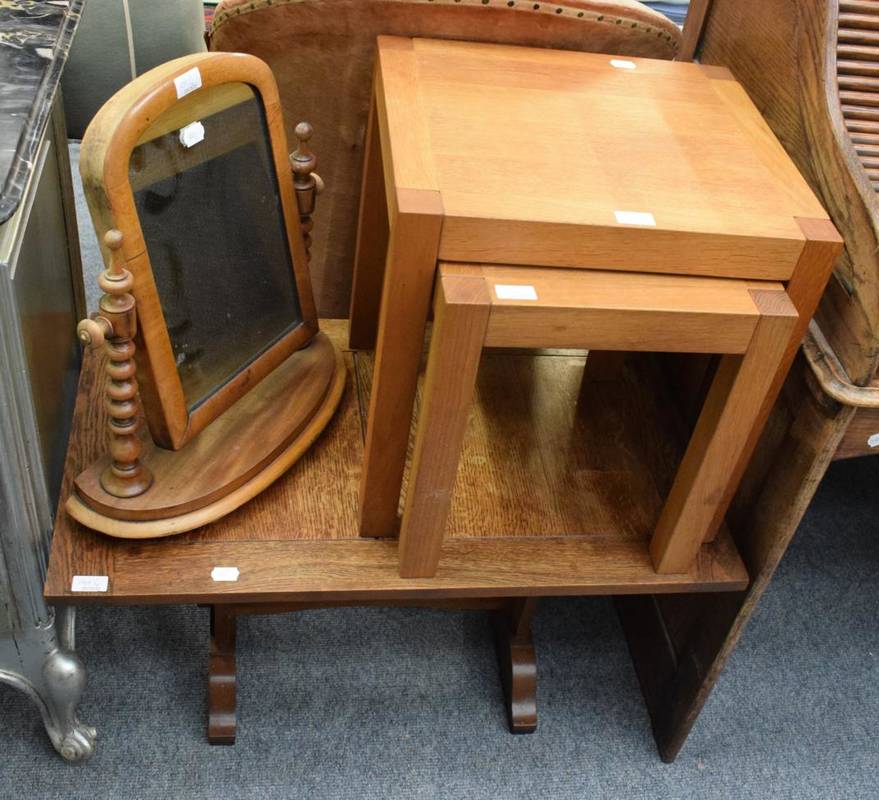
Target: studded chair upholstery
<point>321,52</point>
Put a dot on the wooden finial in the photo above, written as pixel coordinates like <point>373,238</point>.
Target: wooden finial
<point>305,181</point>
<point>114,326</point>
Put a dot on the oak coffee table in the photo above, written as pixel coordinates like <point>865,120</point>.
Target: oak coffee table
<point>498,155</point>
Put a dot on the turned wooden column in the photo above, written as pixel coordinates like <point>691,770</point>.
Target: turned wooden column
<point>307,183</point>
<point>114,326</point>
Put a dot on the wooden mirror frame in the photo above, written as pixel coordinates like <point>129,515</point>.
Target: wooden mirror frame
<point>136,114</point>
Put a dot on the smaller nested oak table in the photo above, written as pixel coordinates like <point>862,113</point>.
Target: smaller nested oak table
<point>486,154</point>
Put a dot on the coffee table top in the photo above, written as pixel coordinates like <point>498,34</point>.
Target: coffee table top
<point>579,159</point>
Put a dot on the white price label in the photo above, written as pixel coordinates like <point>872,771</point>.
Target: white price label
<point>89,583</point>
<point>635,218</point>
<point>192,134</point>
<point>619,63</point>
<point>188,82</point>
<point>225,573</point>
<point>873,441</point>
<point>515,292</point>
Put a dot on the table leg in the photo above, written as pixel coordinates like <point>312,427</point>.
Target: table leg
<point>372,243</point>
<point>460,320</point>
<point>409,273</point>
<point>518,662</point>
<point>706,478</point>
<point>222,721</point>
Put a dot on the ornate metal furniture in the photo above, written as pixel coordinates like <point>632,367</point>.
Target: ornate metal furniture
<point>40,300</point>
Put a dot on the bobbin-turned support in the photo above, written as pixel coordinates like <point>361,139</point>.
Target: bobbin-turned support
<point>307,183</point>
<point>114,326</point>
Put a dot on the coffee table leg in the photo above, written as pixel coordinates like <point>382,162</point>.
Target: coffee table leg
<point>460,320</point>
<point>222,721</point>
<point>518,662</point>
<point>707,477</point>
<point>372,243</point>
<point>409,273</point>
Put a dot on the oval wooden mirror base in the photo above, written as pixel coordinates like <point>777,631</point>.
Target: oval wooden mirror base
<point>237,456</point>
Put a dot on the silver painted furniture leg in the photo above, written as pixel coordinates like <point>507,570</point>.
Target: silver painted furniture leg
<point>40,301</point>
<point>41,663</point>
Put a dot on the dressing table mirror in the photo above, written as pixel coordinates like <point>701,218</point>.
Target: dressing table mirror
<point>208,320</point>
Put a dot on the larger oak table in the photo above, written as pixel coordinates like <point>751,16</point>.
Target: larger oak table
<point>296,545</point>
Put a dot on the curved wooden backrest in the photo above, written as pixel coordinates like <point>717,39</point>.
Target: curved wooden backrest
<point>811,68</point>
<point>321,52</point>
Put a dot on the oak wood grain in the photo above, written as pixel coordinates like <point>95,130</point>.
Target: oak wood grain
<point>473,93</point>
<point>461,310</point>
<point>298,540</point>
<point>618,311</point>
<point>405,301</point>
<point>730,419</point>
<point>372,241</point>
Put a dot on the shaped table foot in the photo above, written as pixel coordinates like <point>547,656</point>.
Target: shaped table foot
<point>518,662</point>
<point>222,721</point>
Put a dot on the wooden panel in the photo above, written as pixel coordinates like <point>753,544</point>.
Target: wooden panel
<point>609,247</point>
<point>858,95</point>
<point>618,311</point>
<point>372,241</point>
<point>367,569</point>
<point>782,52</point>
<point>785,55</point>
<point>693,26</point>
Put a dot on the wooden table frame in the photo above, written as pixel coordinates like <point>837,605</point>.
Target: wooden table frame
<point>748,322</point>
<point>297,547</point>
<point>510,621</point>
<point>679,644</point>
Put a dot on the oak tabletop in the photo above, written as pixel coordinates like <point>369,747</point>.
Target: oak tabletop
<point>568,511</point>
<point>580,159</point>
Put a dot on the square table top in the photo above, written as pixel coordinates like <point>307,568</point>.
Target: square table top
<point>559,158</point>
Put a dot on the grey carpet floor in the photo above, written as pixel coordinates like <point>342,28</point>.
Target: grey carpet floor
<point>373,703</point>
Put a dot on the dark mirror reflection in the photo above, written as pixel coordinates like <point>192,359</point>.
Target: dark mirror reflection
<point>207,195</point>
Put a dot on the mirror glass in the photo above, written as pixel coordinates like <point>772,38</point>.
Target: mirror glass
<point>207,195</point>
